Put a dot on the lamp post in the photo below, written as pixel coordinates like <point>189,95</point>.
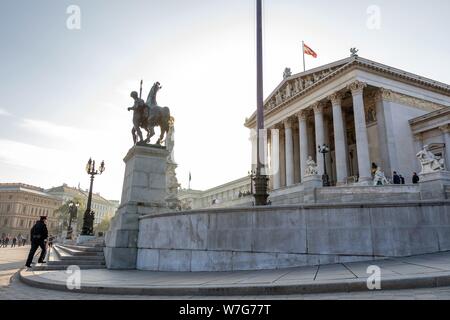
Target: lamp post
<point>324,150</point>
<point>73,209</point>
<point>261,180</point>
<point>88,219</point>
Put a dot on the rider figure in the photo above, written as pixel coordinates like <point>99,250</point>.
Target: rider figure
<point>139,106</point>
<point>139,115</point>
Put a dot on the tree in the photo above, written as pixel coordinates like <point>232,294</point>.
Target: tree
<point>64,214</point>
<point>103,226</point>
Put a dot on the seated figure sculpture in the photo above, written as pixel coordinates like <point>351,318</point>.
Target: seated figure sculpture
<point>311,167</point>
<point>380,178</point>
<point>430,163</point>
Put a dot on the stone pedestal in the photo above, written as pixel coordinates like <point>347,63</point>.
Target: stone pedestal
<point>172,186</point>
<point>143,193</point>
<point>311,183</point>
<point>432,185</point>
<point>83,239</point>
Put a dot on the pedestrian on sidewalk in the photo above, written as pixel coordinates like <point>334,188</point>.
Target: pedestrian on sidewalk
<point>6,241</point>
<point>14,242</point>
<point>39,234</point>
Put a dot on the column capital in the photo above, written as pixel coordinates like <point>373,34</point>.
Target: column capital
<point>302,115</point>
<point>336,98</point>
<point>383,94</point>
<point>357,87</point>
<point>318,107</point>
<point>275,130</point>
<point>287,124</point>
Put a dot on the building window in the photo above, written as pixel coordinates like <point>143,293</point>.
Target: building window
<point>22,222</point>
<point>8,208</point>
<point>5,222</point>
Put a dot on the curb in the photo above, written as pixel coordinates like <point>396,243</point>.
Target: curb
<point>356,285</point>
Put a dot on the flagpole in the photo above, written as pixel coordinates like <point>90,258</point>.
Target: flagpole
<point>303,51</point>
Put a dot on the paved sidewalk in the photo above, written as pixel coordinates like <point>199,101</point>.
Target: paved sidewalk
<point>11,259</point>
<point>426,271</point>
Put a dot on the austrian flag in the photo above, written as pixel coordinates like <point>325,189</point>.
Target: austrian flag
<point>307,50</point>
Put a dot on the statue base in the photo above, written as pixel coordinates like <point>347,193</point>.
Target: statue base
<point>83,239</point>
<point>261,194</point>
<point>311,183</point>
<point>433,185</point>
<point>143,193</point>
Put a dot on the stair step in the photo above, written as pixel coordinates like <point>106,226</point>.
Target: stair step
<point>84,248</point>
<point>62,255</point>
<point>75,262</point>
<point>45,267</point>
<point>75,252</point>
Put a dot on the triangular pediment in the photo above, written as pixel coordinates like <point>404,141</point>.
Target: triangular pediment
<point>293,87</point>
<point>295,84</point>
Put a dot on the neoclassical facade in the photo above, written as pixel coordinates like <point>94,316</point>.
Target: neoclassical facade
<point>369,114</point>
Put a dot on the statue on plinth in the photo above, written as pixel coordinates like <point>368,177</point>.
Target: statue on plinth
<point>172,183</point>
<point>379,178</point>
<point>430,163</point>
<point>311,167</point>
<point>148,115</point>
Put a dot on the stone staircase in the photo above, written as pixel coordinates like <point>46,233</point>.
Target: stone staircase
<point>62,256</point>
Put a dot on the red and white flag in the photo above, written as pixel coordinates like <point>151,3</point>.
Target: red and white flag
<point>307,50</point>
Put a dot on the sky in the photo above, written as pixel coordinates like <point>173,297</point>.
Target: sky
<point>64,91</point>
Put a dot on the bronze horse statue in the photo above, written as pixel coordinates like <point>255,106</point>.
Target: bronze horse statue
<point>148,115</point>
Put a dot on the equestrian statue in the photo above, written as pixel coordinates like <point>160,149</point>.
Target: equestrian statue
<point>148,115</point>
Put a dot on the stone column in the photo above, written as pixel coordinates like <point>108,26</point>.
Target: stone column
<point>386,135</point>
<point>339,139</point>
<point>446,132</point>
<point>327,130</point>
<point>320,136</point>
<point>276,178</point>
<point>289,153</point>
<point>303,133</point>
<point>143,192</point>
<point>362,142</point>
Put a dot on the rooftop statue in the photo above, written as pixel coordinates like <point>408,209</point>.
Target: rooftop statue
<point>148,115</point>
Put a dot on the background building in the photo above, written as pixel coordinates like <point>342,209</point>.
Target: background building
<point>233,193</point>
<point>103,208</point>
<point>21,206</point>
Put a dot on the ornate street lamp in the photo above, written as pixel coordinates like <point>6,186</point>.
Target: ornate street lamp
<point>73,209</point>
<point>88,219</point>
<point>324,150</point>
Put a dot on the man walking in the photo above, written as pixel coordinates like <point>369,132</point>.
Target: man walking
<point>38,234</point>
<point>415,178</point>
<point>396,178</point>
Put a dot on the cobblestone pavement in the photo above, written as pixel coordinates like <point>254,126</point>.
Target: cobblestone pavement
<point>13,259</point>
